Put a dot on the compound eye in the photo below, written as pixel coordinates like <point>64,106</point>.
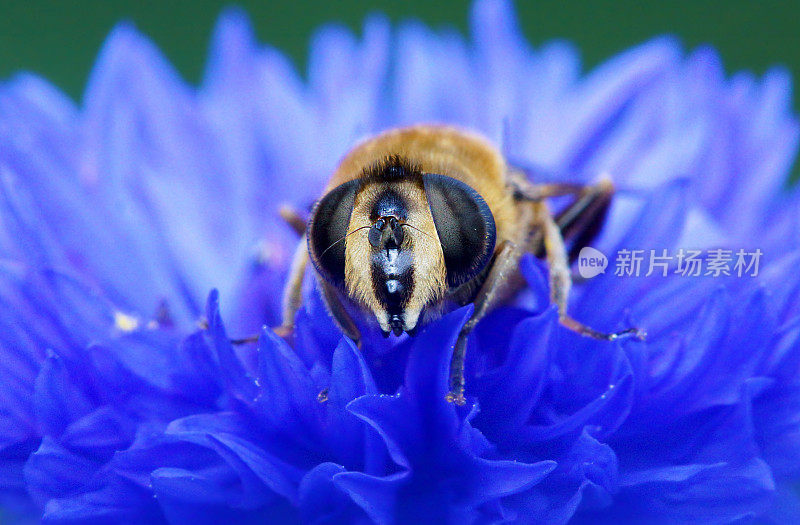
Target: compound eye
<point>327,229</point>
<point>465,226</point>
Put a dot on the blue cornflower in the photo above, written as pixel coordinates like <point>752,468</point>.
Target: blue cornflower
<point>123,400</point>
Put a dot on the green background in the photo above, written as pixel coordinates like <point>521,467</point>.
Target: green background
<point>59,39</point>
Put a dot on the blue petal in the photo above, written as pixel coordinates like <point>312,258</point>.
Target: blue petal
<point>350,378</point>
<point>234,374</point>
<point>100,433</point>
<point>287,396</point>
<point>116,502</point>
<point>433,443</point>
<point>376,495</point>
<point>586,477</point>
<point>54,471</point>
<point>509,393</point>
<point>255,465</point>
<point>777,428</point>
<point>713,469</point>
<point>607,94</point>
<point>186,497</point>
<point>322,502</point>
<point>58,400</point>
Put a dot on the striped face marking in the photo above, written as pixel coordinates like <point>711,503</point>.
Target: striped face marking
<point>392,260</point>
<point>395,240</point>
<point>397,268</point>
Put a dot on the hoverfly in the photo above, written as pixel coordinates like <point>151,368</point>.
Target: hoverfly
<point>419,220</point>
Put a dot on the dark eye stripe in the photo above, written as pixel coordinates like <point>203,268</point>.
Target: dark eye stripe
<point>389,203</point>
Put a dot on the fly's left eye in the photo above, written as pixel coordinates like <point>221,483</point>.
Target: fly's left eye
<point>465,226</point>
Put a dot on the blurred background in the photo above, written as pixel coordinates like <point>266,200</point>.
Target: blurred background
<point>59,39</point>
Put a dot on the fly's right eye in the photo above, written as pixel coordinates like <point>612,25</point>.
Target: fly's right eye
<point>327,229</point>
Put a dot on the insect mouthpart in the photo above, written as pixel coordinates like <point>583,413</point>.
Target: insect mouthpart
<point>397,325</point>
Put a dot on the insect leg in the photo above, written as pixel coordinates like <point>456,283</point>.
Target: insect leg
<point>293,218</point>
<point>579,222</point>
<point>524,188</point>
<point>293,299</point>
<point>561,280</point>
<point>504,265</point>
<point>293,292</point>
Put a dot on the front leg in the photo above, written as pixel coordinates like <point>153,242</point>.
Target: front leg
<point>503,266</point>
<point>295,219</point>
<point>292,293</point>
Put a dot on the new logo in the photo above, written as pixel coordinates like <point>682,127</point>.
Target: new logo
<point>591,262</point>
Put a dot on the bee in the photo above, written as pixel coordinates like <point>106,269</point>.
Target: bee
<point>420,220</point>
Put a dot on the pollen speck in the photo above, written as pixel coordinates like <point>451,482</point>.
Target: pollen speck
<point>124,322</point>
